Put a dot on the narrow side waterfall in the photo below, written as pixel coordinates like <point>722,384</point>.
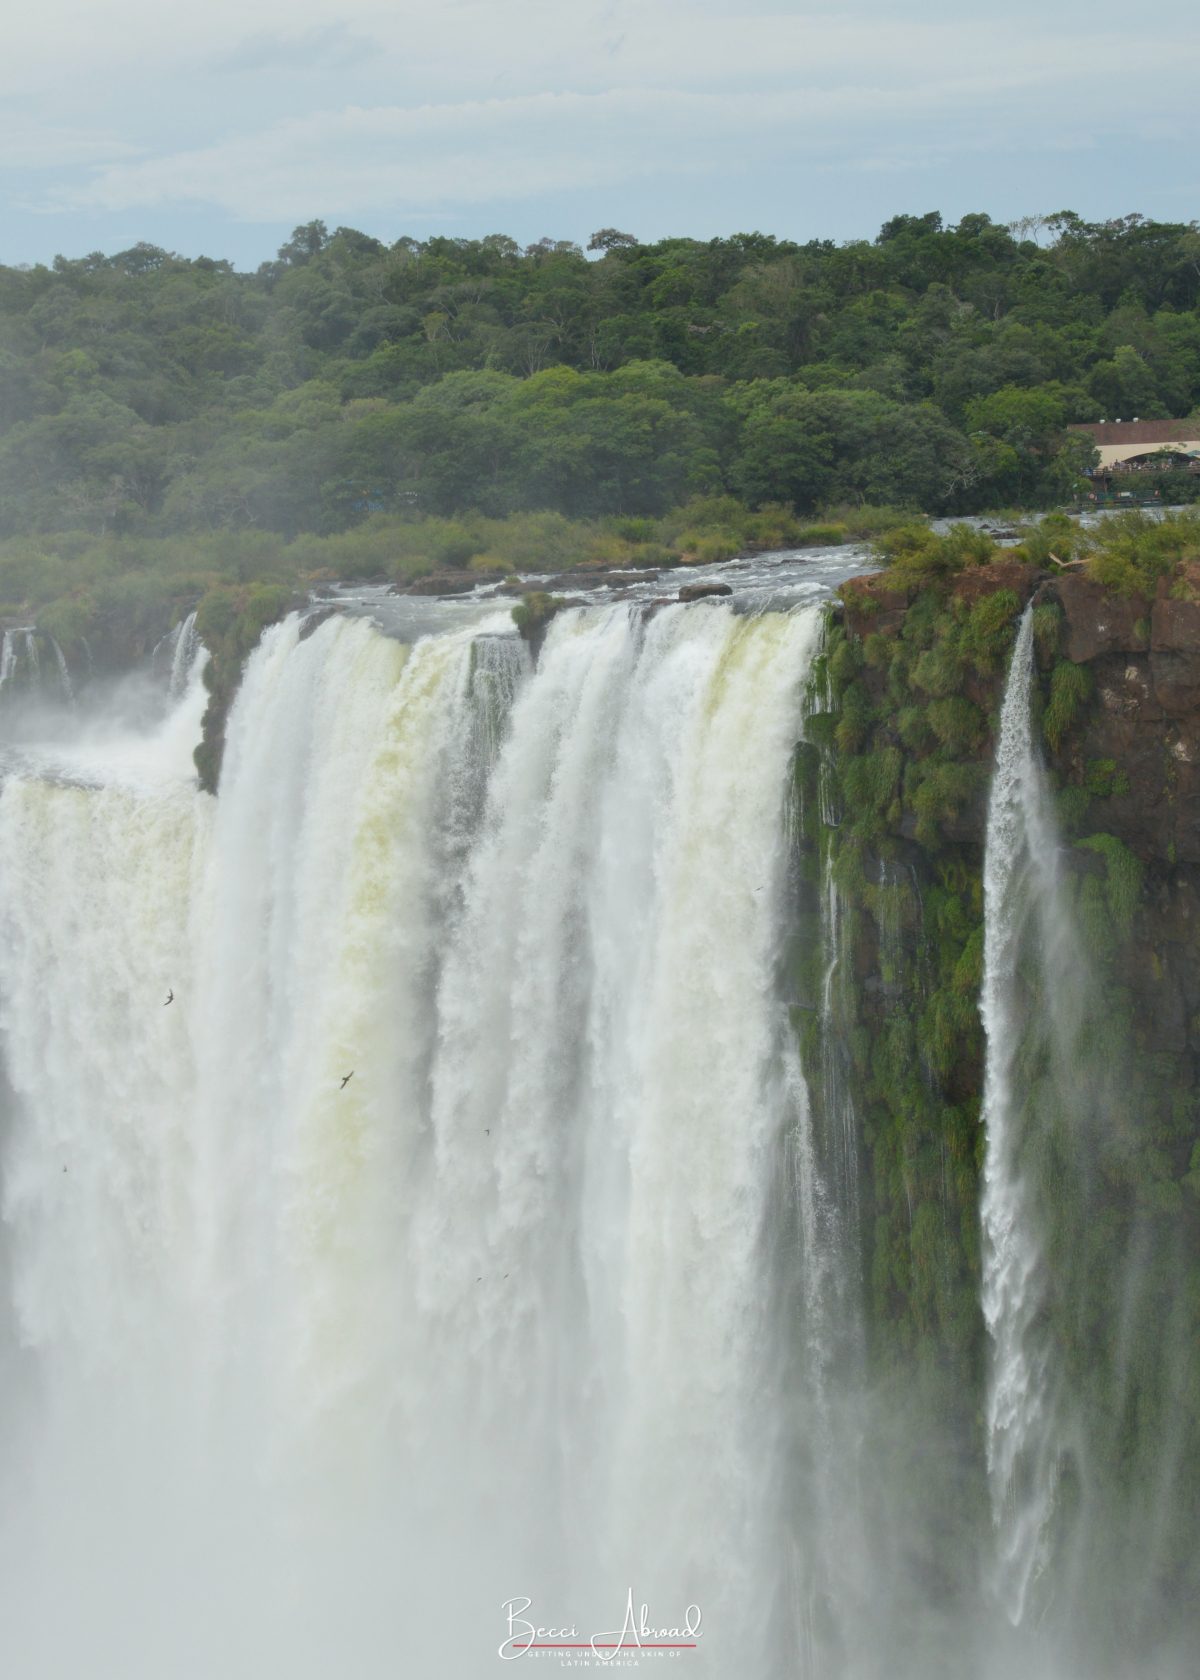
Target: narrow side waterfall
<point>184,646</point>
<point>1030,964</point>
<point>64,675</point>
<point>424,1252</point>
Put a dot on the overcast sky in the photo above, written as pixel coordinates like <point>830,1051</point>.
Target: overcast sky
<point>219,125</point>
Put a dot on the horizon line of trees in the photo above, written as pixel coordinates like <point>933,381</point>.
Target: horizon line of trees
<point>937,367</point>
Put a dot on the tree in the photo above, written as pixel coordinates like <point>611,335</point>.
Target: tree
<point>306,242</point>
<point>610,239</point>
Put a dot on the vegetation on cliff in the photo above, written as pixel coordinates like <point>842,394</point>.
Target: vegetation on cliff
<point>1128,553</point>
<point>892,780</point>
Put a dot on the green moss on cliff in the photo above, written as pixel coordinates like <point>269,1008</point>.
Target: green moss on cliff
<point>229,621</point>
<point>1070,686</point>
<point>893,779</point>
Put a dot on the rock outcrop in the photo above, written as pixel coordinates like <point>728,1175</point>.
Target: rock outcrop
<point>701,591</point>
<point>1143,718</point>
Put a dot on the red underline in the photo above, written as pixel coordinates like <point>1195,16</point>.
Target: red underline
<point>603,1645</point>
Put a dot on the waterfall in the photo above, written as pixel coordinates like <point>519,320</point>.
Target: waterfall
<point>1026,929</point>
<point>173,654</point>
<point>497,1316</point>
<point>183,652</point>
<point>20,663</point>
<point>64,675</point>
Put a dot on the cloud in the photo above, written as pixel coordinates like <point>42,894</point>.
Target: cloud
<point>427,156</point>
<point>278,110</point>
<point>26,146</point>
<point>434,156</point>
<point>454,47</point>
<point>328,47</point>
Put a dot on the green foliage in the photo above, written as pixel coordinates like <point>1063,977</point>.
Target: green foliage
<point>822,536</point>
<point>939,669</point>
<point>1108,1141</point>
<point>958,724</point>
<point>1103,779</point>
<point>1056,537</point>
<point>918,555</point>
<point>1070,686</point>
<point>1132,551</point>
<point>229,620</point>
<point>1047,629</point>
<point>987,631</point>
<point>869,782</point>
<point>1072,806</point>
<point>858,714</point>
<point>845,660</point>
<point>916,925</point>
<point>1122,878</point>
<point>939,792</point>
<point>534,611</point>
<point>935,368</point>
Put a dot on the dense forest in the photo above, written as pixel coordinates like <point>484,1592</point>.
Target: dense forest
<point>936,367</point>
<point>172,418</point>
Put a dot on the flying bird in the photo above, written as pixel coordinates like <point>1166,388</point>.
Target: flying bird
<point>170,998</point>
<point>347,1080</point>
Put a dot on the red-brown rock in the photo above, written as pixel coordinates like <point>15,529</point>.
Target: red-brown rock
<point>978,582</point>
<point>1175,643</point>
<point>1098,622</point>
<point>873,605</point>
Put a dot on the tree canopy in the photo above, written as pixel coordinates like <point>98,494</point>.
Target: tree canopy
<point>938,366</point>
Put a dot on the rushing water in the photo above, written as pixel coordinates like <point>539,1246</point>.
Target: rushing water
<point>494,1318</point>
<point>1020,885</point>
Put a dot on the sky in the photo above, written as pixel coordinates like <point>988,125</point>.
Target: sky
<point>216,127</point>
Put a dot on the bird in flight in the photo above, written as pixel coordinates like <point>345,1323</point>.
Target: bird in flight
<point>170,998</point>
<point>347,1080</point>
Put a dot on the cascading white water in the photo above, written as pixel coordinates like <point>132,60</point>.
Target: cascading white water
<point>1024,921</point>
<point>309,1378</point>
<point>183,654</point>
<point>19,658</point>
<point>64,675</point>
<point>20,663</point>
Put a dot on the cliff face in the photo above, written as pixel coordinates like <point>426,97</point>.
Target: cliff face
<point>893,783</point>
<point>1144,659</point>
<point>1120,679</point>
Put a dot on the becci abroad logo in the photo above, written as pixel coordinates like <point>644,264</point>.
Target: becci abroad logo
<point>636,1633</point>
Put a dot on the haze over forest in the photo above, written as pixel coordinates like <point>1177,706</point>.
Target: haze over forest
<point>169,423</point>
<point>935,366</point>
